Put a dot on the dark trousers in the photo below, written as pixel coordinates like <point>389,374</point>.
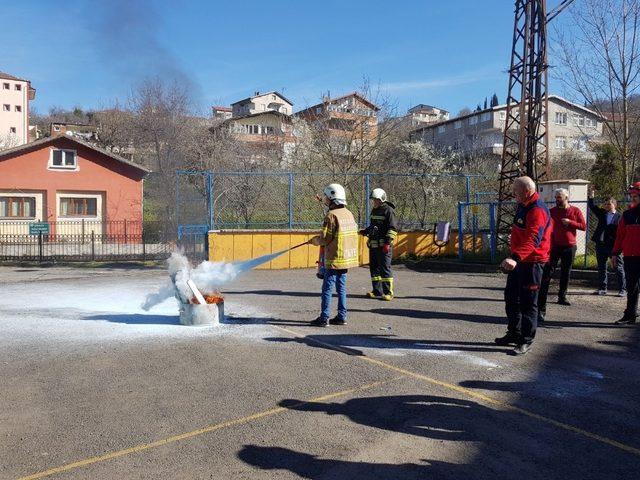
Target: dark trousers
<point>632,271</point>
<point>380,268</point>
<point>603,252</point>
<point>565,256</point>
<point>521,300</point>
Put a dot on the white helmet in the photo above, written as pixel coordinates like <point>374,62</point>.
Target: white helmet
<point>335,192</point>
<point>378,194</point>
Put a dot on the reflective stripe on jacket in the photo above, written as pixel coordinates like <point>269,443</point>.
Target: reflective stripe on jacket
<point>383,228</point>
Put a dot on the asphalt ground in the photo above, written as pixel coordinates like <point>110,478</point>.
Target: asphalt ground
<point>410,389</point>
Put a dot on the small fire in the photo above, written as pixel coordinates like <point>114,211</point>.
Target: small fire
<point>215,298</point>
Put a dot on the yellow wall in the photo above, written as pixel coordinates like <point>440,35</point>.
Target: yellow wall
<point>237,245</point>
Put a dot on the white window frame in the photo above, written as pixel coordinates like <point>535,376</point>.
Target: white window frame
<point>561,118</point>
<point>579,120</point>
<point>503,115</point>
<point>38,210</point>
<point>56,128</point>
<point>6,107</point>
<point>99,205</point>
<point>561,143</point>
<point>73,168</point>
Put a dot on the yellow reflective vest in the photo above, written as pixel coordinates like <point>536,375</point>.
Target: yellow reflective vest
<point>339,237</point>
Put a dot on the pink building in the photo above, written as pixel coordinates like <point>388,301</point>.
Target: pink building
<point>66,180</point>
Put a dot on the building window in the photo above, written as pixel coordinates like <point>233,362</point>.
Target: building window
<point>457,124</point>
<point>578,120</point>
<point>456,144</point>
<point>268,130</point>
<point>591,122</point>
<point>485,117</point>
<point>18,108</point>
<point>503,115</point>
<point>5,86</point>
<point>441,129</point>
<point>56,128</point>
<point>6,107</point>
<point>18,87</point>
<point>473,120</point>
<point>12,129</point>
<point>580,144</point>
<point>63,159</point>
<point>78,207</point>
<point>318,109</point>
<point>561,143</point>
<point>561,118</point>
<point>18,207</point>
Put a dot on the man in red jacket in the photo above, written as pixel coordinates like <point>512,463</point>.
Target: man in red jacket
<point>530,246</point>
<point>567,220</point>
<point>628,243</point>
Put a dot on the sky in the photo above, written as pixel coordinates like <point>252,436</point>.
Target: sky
<point>450,54</point>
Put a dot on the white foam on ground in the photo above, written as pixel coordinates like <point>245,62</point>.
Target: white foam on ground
<point>103,310</point>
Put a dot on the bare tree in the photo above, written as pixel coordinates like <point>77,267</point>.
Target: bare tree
<point>599,56</point>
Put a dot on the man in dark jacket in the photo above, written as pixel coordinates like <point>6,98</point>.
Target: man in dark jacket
<point>628,244</point>
<point>604,238</point>
<point>382,232</point>
<point>530,249</point>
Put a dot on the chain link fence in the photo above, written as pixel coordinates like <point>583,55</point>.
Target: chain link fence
<point>277,200</point>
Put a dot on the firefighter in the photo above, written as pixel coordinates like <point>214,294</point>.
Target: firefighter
<point>382,232</point>
<point>339,238</point>
<point>530,249</point>
<point>628,244</point>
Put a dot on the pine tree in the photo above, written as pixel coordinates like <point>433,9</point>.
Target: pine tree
<point>485,103</point>
<point>494,100</point>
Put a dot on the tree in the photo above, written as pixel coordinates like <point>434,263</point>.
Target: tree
<point>606,172</point>
<point>485,103</point>
<point>494,101</point>
<point>599,56</point>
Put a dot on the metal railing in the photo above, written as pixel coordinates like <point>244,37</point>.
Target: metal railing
<point>86,241</point>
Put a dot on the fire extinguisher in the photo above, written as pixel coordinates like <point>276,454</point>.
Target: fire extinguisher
<point>320,262</point>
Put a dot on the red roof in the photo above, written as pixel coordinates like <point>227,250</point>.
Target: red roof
<point>224,109</point>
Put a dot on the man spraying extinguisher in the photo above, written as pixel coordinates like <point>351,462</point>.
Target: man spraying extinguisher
<point>382,232</point>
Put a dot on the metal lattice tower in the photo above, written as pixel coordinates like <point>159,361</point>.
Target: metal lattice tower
<point>525,146</point>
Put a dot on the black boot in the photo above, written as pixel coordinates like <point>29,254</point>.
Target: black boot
<point>337,321</point>
<point>319,322</point>
<point>508,339</point>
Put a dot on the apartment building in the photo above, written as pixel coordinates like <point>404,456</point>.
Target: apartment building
<point>422,114</point>
<point>350,115</point>
<point>15,94</point>
<point>262,102</point>
<point>220,112</point>
<point>571,128</point>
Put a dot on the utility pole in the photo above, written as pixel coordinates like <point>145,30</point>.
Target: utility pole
<point>525,145</point>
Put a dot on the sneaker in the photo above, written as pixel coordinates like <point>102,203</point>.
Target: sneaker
<point>541,319</point>
<point>387,297</point>
<point>522,348</point>
<point>337,321</point>
<point>373,295</point>
<point>622,293</point>
<point>319,322</point>
<point>508,339</point>
<point>564,301</point>
<point>600,292</point>
<point>625,321</point>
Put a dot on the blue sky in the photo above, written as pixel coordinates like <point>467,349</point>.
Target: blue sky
<point>446,53</point>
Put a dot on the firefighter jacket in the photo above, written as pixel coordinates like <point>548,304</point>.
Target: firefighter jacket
<point>340,239</point>
<point>383,228</point>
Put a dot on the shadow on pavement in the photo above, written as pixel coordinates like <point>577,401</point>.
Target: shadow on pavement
<point>348,343</point>
<point>310,466</point>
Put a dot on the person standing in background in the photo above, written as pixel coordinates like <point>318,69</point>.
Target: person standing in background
<point>604,238</point>
<point>567,220</point>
